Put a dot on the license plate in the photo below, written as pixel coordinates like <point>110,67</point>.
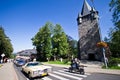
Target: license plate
<point>44,74</point>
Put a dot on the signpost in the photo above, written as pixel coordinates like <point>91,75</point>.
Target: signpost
<point>105,59</point>
<point>3,55</point>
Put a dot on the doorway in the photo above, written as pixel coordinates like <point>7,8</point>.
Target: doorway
<point>91,57</point>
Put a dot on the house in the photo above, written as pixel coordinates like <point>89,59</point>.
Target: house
<point>27,54</point>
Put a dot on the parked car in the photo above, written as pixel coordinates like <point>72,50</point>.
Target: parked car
<point>36,69</point>
<point>19,62</point>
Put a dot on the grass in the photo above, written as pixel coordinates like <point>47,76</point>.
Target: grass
<point>112,67</point>
<point>115,67</point>
<point>0,65</point>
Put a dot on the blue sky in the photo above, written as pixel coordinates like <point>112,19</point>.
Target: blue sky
<point>21,19</point>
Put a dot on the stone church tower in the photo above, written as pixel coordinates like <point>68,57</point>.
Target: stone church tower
<point>89,33</point>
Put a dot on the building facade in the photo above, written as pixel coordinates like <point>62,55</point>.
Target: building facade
<point>89,33</point>
<point>27,54</point>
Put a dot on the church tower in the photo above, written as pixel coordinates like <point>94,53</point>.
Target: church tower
<point>89,33</point>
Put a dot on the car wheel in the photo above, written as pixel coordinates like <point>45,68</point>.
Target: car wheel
<point>70,69</point>
<point>22,70</point>
<point>47,74</point>
<point>82,71</point>
<point>29,76</point>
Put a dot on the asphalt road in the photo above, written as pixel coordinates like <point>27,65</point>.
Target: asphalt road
<point>99,76</point>
<point>60,73</point>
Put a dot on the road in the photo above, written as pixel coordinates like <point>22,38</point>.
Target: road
<point>60,73</point>
<point>99,76</point>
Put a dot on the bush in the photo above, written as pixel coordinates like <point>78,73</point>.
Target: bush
<point>113,62</point>
<point>65,61</point>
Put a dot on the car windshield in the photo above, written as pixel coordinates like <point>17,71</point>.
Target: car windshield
<point>33,64</point>
<point>20,61</point>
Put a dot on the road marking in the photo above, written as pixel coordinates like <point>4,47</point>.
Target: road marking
<point>27,79</point>
<point>59,77</point>
<point>78,78</point>
<point>87,74</point>
<point>68,71</point>
<point>46,78</point>
<point>72,73</point>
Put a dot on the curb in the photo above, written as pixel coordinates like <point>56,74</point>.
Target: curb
<point>90,69</point>
<point>14,72</point>
<point>105,72</point>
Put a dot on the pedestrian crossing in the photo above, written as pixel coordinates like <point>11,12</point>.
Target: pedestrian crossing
<point>64,75</point>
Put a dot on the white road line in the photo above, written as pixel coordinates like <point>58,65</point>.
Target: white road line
<point>72,73</point>
<point>87,74</point>
<point>68,70</point>
<point>70,76</point>
<point>46,78</point>
<point>27,79</point>
<point>58,77</point>
<point>65,69</point>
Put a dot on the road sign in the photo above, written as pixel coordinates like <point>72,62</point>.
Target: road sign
<point>3,55</point>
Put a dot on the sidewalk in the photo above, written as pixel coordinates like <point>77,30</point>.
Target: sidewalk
<point>7,72</point>
<point>91,68</point>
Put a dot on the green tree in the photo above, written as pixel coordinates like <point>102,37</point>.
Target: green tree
<point>114,43</point>
<point>115,32</point>
<point>5,44</point>
<point>59,42</point>
<point>73,48</point>
<point>115,8</point>
<point>42,41</point>
<point>51,42</point>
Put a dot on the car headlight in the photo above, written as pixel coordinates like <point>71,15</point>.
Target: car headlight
<point>35,72</point>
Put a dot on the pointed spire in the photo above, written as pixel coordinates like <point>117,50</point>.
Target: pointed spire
<point>79,15</point>
<point>86,8</point>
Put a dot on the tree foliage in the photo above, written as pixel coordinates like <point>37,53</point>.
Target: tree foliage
<point>114,43</point>
<point>73,48</point>
<point>51,42</point>
<point>59,40</point>
<point>42,41</point>
<point>115,32</point>
<point>115,8</point>
<point>5,44</point>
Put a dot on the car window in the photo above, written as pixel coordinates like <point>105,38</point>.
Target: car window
<point>33,64</point>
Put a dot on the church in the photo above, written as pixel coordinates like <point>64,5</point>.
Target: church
<point>89,34</point>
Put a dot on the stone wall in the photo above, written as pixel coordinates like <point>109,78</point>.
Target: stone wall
<point>89,36</point>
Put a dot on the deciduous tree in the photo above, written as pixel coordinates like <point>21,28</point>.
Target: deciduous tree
<point>42,41</point>
<point>115,32</point>
<point>59,42</point>
<point>5,44</point>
